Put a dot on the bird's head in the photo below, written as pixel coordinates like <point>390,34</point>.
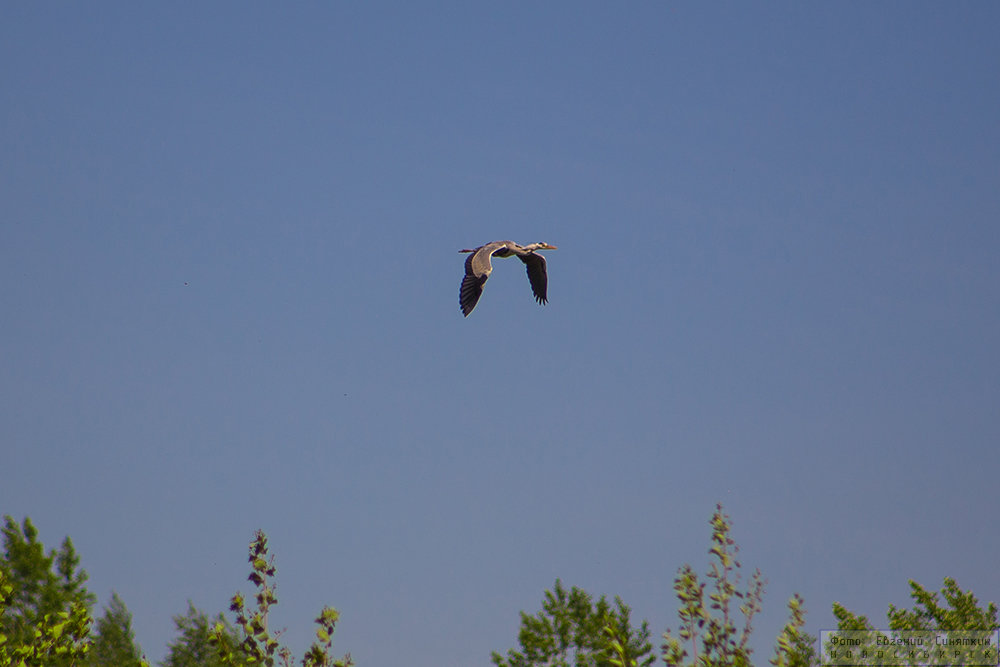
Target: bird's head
<point>540,246</point>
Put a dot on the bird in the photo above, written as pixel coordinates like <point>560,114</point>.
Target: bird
<point>478,269</point>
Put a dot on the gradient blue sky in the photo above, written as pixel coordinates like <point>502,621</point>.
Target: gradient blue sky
<point>229,286</point>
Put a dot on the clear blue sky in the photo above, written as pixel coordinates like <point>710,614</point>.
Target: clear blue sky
<point>229,286</point>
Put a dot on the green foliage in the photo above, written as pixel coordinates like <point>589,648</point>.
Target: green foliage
<point>847,620</point>
<point>572,630</point>
<point>927,614</point>
<point>259,645</point>
<point>965,613</point>
<point>45,619</point>
<point>961,612</point>
<point>41,585</point>
<point>626,647</point>
<point>197,639</point>
<point>57,638</point>
<point>44,606</point>
<point>794,647</point>
<point>114,642</point>
<point>708,635</point>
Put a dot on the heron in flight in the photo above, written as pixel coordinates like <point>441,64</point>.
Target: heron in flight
<point>478,269</point>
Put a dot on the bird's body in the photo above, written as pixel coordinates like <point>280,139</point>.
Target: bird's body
<point>478,268</point>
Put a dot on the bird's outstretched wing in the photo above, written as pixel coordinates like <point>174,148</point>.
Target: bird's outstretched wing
<point>537,275</point>
<point>472,288</point>
<point>477,269</point>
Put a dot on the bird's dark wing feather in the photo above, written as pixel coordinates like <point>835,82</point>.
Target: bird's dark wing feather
<point>472,287</point>
<point>468,296</point>
<point>537,275</point>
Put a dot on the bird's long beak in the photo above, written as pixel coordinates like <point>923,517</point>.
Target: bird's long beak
<point>546,246</point>
<point>467,250</point>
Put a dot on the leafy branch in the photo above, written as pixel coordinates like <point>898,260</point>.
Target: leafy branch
<point>61,635</point>
<point>260,645</point>
<point>708,636</point>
